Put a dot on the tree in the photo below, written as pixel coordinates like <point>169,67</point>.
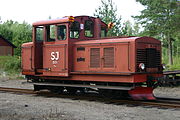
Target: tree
<point>130,30</point>
<point>16,33</point>
<point>127,28</point>
<point>107,12</point>
<point>22,33</point>
<point>160,18</point>
<point>6,32</point>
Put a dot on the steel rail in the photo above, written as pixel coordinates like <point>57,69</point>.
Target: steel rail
<point>162,103</point>
<point>18,90</point>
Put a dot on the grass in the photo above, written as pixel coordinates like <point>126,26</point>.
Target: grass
<point>176,63</point>
<point>10,66</point>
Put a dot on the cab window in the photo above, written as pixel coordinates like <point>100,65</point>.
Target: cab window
<point>39,33</point>
<point>50,33</point>
<point>89,28</point>
<point>74,29</point>
<point>103,32</point>
<point>61,32</point>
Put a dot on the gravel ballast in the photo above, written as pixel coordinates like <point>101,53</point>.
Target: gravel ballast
<point>32,107</point>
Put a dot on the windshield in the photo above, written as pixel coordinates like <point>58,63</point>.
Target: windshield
<point>74,29</point>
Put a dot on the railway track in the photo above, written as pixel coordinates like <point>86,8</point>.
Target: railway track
<point>160,102</point>
<point>17,90</point>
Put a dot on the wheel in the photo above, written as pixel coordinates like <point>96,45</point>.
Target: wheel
<point>114,94</point>
<point>71,90</point>
<point>106,93</point>
<point>57,90</point>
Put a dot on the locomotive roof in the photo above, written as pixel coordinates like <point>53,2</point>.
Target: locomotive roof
<point>59,20</point>
<point>119,40</point>
<point>54,21</point>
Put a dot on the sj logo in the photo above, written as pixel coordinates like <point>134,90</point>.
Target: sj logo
<point>54,56</point>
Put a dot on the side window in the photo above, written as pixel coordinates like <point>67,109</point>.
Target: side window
<point>50,33</point>
<point>39,33</point>
<point>103,32</point>
<point>61,32</point>
<point>89,28</point>
<point>74,29</point>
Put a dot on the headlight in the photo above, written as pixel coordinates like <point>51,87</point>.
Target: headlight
<point>163,66</point>
<point>142,66</point>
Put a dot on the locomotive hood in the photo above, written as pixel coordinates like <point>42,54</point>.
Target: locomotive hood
<point>118,40</point>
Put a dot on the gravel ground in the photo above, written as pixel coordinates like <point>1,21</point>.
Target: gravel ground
<point>31,107</point>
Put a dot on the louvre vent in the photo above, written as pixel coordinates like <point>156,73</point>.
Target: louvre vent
<point>95,57</point>
<point>80,59</point>
<point>158,59</point>
<point>81,49</point>
<point>149,56</point>
<point>141,56</point>
<point>108,57</point>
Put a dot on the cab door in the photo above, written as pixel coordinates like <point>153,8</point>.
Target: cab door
<point>37,59</point>
<point>55,51</point>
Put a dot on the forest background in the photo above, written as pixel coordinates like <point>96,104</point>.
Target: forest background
<point>159,19</point>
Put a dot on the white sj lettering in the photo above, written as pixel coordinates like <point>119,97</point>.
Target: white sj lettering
<point>54,56</point>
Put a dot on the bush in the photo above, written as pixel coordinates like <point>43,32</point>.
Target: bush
<point>10,64</point>
<point>175,66</point>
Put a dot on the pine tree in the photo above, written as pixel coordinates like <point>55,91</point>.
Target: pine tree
<point>107,12</point>
<point>160,18</point>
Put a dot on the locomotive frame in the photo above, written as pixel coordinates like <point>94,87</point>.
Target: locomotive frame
<point>74,53</point>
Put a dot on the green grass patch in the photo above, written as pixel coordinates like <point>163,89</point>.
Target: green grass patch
<point>176,63</point>
<point>10,64</point>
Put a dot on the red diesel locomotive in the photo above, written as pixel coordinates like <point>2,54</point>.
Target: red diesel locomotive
<point>73,53</point>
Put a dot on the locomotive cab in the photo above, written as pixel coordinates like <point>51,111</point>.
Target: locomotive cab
<point>50,52</point>
<point>74,53</point>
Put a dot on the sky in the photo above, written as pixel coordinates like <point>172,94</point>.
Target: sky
<point>36,10</point>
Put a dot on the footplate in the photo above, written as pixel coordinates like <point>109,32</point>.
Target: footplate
<point>142,93</point>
